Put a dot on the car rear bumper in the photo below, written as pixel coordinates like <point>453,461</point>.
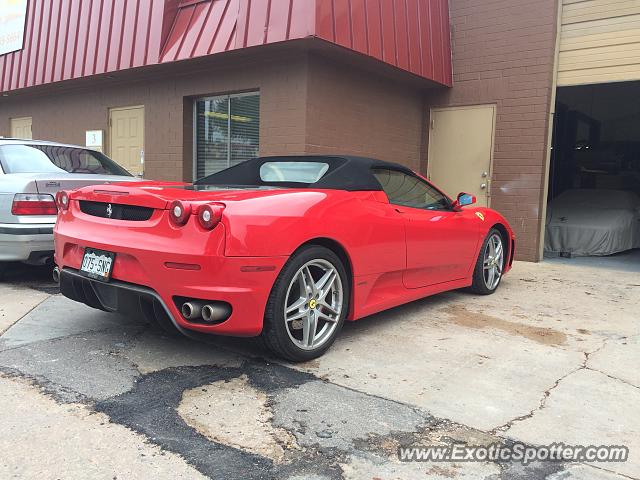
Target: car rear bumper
<point>247,301</point>
<point>151,275</point>
<point>115,296</point>
<point>18,242</point>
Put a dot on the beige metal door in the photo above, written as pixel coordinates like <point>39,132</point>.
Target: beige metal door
<point>21,128</point>
<point>461,150</point>
<point>126,138</point>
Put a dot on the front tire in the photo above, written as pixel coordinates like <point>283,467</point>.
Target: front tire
<point>307,305</point>
<point>487,274</point>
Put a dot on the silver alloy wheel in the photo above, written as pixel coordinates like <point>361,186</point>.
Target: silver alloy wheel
<point>313,304</point>
<point>493,261</point>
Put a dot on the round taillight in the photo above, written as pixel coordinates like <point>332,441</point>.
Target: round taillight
<point>179,213</point>
<point>62,200</point>
<point>209,215</point>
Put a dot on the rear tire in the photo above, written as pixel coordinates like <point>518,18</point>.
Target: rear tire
<point>307,306</point>
<point>487,273</point>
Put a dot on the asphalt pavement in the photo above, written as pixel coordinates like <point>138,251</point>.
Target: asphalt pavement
<point>88,394</point>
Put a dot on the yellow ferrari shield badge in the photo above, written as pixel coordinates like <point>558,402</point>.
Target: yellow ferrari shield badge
<point>480,216</point>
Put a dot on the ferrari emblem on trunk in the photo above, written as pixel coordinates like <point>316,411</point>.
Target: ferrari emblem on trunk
<point>109,211</point>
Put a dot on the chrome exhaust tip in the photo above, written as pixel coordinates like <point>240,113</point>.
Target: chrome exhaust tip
<point>191,310</point>
<point>56,274</point>
<point>217,312</point>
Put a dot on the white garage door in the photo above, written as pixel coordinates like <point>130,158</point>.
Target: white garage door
<point>599,42</point>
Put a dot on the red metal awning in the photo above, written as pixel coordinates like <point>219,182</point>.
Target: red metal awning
<point>66,39</point>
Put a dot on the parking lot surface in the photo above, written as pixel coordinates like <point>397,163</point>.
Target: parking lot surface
<point>551,357</point>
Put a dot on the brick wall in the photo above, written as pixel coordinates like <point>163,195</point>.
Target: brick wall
<point>308,104</point>
<point>353,111</point>
<point>503,53</point>
<point>64,116</point>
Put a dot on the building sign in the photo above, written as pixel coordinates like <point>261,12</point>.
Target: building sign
<point>12,20</point>
<point>94,139</point>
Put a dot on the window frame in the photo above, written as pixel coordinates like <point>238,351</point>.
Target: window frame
<point>448,208</point>
<point>194,144</point>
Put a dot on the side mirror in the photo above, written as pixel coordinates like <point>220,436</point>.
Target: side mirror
<point>463,200</point>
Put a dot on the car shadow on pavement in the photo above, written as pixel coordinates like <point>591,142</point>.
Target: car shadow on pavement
<point>37,277</point>
<point>252,348</point>
<point>402,313</point>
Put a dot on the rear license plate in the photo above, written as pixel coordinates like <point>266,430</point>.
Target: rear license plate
<point>97,264</point>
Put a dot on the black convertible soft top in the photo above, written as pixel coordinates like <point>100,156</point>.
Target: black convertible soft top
<point>345,173</point>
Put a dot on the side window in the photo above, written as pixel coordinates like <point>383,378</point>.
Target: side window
<point>409,191</point>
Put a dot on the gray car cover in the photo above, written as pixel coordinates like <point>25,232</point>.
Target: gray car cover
<point>593,222</point>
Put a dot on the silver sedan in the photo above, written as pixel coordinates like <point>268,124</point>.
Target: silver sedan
<point>31,173</point>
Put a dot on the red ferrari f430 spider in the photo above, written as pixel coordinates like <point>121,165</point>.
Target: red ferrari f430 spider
<point>281,248</point>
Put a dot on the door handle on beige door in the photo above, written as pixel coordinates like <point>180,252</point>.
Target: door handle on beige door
<point>485,174</point>
<point>483,186</point>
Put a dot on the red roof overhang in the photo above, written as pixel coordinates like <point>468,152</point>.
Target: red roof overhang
<point>66,39</point>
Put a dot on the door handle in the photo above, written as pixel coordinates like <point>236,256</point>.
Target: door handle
<point>483,186</point>
<point>485,174</point>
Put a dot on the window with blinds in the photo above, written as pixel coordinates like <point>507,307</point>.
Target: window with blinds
<point>227,131</point>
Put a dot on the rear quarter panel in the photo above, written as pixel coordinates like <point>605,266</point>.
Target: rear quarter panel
<point>370,231</point>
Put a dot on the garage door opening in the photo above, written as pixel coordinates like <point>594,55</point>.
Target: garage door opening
<point>593,210</point>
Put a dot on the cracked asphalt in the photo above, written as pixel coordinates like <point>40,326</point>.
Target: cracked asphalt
<point>552,357</point>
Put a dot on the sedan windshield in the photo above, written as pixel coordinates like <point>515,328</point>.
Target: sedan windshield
<point>56,159</point>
